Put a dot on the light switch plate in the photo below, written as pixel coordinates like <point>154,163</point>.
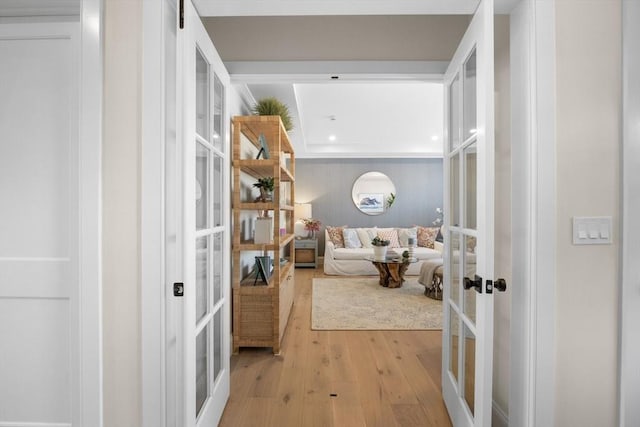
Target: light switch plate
<point>591,230</point>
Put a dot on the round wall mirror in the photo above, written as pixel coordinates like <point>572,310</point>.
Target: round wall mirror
<point>373,193</point>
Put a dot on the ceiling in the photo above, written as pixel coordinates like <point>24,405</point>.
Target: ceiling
<point>359,119</point>
<point>394,116</point>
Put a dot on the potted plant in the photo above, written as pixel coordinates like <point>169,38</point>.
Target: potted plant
<point>273,107</point>
<point>379,247</point>
<point>266,186</point>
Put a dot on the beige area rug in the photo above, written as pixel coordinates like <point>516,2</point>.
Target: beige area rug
<point>361,303</point>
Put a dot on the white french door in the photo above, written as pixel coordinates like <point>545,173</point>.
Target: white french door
<point>469,199</point>
<point>203,151</point>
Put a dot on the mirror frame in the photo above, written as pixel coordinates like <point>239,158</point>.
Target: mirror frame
<point>373,193</point>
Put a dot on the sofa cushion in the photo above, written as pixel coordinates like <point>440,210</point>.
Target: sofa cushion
<point>391,235</point>
<point>366,235</point>
<point>405,233</point>
<point>352,254</point>
<point>351,239</point>
<point>427,236</point>
<point>335,234</point>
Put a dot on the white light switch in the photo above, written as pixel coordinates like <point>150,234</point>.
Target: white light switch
<point>591,230</point>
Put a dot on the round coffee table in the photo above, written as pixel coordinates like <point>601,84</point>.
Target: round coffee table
<point>391,270</point>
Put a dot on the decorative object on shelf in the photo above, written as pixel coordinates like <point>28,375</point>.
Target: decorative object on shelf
<point>379,247</point>
<point>273,107</point>
<point>373,193</point>
<point>264,148</point>
<point>266,186</point>
<point>301,211</point>
<point>312,226</point>
<point>390,199</point>
<point>263,269</point>
<point>264,230</point>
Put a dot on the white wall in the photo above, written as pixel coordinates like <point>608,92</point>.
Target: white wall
<point>121,210</point>
<point>588,116</point>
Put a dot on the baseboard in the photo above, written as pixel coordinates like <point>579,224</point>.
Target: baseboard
<point>499,417</point>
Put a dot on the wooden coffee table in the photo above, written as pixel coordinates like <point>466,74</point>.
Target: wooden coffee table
<point>391,270</point>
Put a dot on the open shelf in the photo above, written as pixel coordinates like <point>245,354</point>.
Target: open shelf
<point>261,311</point>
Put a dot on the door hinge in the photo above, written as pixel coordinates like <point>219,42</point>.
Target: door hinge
<point>181,13</point>
<point>178,289</point>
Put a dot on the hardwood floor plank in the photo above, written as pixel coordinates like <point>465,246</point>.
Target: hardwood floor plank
<point>380,378</point>
<point>396,387</point>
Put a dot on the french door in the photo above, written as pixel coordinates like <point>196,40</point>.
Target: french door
<point>469,199</point>
<point>203,157</point>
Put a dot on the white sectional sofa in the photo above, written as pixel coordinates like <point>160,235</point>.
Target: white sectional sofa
<point>351,261</point>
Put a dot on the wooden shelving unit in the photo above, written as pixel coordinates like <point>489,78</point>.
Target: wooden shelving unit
<point>261,312</point>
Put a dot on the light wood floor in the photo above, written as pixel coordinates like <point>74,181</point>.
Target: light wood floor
<point>337,378</point>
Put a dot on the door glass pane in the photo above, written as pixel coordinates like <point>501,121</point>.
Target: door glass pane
<point>202,369</point>
<point>202,277</point>
<point>454,113</point>
<point>469,368</point>
<point>217,190</point>
<point>454,335</point>
<point>469,93</point>
<point>217,344</point>
<point>202,95</point>
<point>469,271</point>
<point>455,190</point>
<point>202,186</point>
<point>218,257</point>
<point>455,268</point>
<point>218,113</point>
<point>471,185</point>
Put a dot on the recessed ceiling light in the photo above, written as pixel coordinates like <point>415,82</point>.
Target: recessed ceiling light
<point>434,138</point>
<point>332,137</point>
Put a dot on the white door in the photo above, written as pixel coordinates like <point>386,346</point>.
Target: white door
<point>40,230</point>
<point>469,186</point>
<point>205,242</point>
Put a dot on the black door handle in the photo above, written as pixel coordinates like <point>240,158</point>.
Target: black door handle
<point>476,283</point>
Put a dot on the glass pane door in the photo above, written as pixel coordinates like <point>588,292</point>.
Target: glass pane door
<point>468,327</point>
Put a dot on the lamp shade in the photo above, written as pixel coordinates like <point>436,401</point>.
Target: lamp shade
<point>302,210</point>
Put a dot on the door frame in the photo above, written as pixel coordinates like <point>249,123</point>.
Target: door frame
<point>89,410</point>
<point>629,380</point>
<point>532,384</point>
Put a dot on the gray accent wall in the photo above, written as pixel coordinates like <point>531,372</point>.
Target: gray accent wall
<point>327,183</point>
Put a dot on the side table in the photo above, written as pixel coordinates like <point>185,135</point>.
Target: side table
<point>306,252</point>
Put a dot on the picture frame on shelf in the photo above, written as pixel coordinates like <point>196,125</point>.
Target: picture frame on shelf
<point>264,148</point>
<point>263,269</point>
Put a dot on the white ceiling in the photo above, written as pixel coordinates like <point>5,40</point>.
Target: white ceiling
<point>342,7</point>
<point>392,119</point>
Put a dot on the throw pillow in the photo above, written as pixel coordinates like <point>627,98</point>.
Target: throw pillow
<point>426,236</point>
<point>391,235</point>
<point>405,233</point>
<point>335,235</point>
<point>366,235</point>
<point>351,239</point>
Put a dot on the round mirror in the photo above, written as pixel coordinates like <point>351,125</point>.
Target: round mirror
<point>373,193</point>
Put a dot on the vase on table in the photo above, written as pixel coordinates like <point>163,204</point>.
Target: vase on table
<point>380,252</point>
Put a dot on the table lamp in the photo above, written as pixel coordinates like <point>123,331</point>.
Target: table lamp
<point>301,211</point>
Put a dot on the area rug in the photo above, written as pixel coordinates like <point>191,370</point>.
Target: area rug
<point>361,303</point>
